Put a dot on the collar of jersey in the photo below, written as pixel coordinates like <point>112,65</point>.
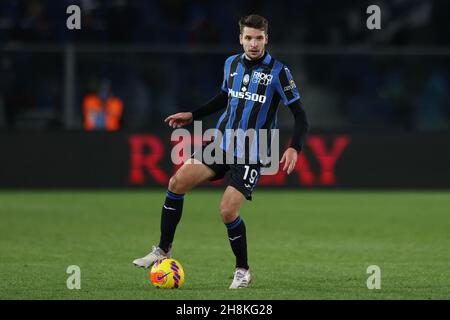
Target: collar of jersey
<point>266,60</point>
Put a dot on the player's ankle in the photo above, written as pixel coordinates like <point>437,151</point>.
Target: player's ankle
<point>244,267</point>
<point>165,249</point>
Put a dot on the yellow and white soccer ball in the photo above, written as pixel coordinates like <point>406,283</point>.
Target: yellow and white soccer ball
<point>167,274</point>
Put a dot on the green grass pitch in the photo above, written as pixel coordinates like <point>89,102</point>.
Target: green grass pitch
<point>302,244</point>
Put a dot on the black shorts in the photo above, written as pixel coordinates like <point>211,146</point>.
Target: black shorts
<point>244,177</point>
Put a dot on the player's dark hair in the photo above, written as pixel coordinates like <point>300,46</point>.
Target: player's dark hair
<point>254,21</point>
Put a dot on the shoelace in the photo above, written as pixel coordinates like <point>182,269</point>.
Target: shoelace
<point>240,275</point>
<point>152,253</point>
<point>243,283</point>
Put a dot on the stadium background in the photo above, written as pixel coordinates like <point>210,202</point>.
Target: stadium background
<point>378,102</point>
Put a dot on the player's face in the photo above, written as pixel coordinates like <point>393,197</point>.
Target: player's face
<point>254,42</point>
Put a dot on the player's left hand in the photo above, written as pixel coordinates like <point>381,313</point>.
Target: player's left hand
<point>290,160</point>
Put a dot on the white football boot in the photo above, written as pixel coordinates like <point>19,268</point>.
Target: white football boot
<point>156,254</point>
<point>241,279</point>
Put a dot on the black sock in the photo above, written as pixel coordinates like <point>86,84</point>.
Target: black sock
<point>238,241</point>
<point>170,216</point>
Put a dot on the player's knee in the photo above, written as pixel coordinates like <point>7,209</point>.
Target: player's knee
<point>177,184</point>
<point>228,212</point>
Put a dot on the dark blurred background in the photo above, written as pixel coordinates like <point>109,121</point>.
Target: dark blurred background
<point>159,57</point>
<point>378,101</point>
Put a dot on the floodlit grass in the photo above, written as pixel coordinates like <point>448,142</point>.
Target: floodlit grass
<point>302,244</point>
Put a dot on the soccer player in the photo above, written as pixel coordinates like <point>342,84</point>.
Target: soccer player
<point>254,84</point>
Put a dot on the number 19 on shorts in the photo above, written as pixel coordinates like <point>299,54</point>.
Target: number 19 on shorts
<point>251,174</point>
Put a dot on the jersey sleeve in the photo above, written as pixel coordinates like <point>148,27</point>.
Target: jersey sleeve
<point>225,77</point>
<point>286,86</point>
<point>226,71</point>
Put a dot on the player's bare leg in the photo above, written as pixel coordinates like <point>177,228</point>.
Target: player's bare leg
<point>230,205</point>
<point>191,174</point>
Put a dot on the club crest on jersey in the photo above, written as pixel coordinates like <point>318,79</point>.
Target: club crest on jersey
<point>262,78</point>
<point>246,79</point>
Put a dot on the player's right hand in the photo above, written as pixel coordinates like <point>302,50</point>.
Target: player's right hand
<point>179,120</point>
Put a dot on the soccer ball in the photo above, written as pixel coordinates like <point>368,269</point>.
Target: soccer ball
<point>167,274</point>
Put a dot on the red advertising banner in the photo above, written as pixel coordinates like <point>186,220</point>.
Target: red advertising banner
<point>127,160</point>
<point>148,151</point>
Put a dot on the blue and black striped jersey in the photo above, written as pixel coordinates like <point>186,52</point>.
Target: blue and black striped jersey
<point>253,97</point>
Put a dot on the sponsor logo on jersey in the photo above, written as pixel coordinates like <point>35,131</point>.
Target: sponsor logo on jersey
<point>247,96</point>
<point>262,78</point>
<point>290,86</point>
